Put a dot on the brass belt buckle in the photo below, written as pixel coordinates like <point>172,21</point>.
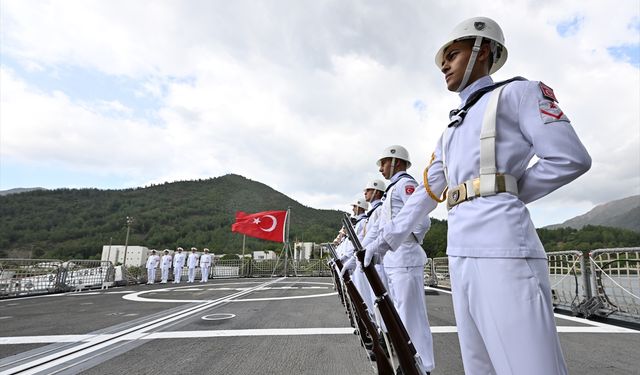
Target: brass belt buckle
<point>456,196</point>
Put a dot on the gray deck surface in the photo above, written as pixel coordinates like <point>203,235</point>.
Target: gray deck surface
<point>292,326</point>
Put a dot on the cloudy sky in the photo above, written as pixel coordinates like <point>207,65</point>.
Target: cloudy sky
<point>300,95</point>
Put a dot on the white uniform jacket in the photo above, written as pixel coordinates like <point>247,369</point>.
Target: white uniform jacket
<point>178,260</point>
<point>205,260</point>
<point>153,261</point>
<point>166,261</point>
<point>498,225</point>
<point>192,261</point>
<point>360,224</point>
<point>348,248</point>
<point>409,252</point>
<point>370,227</point>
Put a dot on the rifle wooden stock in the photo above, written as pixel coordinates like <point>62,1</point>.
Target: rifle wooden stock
<point>336,281</point>
<point>365,324</point>
<point>407,355</point>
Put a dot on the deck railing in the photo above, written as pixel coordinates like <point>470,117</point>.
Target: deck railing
<point>602,282</point>
<point>23,277</point>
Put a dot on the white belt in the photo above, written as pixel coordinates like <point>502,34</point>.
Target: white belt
<point>504,183</point>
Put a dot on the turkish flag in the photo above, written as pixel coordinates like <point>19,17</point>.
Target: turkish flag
<point>267,225</point>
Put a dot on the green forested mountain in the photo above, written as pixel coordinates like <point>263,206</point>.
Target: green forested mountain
<point>76,223</point>
<point>589,237</point>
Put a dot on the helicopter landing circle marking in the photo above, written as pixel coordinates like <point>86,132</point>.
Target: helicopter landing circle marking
<point>138,296</point>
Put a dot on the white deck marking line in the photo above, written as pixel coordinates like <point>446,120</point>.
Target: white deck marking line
<point>253,332</point>
<point>44,339</point>
<point>137,296</point>
<point>594,323</point>
<point>98,343</point>
<point>258,332</point>
<point>283,298</point>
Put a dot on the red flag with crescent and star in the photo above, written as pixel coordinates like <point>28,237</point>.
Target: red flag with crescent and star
<point>267,225</point>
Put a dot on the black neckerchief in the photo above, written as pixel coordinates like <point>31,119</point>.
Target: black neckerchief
<point>457,115</point>
<point>374,208</point>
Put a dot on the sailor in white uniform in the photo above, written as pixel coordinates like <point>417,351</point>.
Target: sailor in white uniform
<point>165,264</point>
<point>152,264</point>
<point>345,249</point>
<point>404,266</point>
<point>205,265</point>
<point>178,263</point>
<point>498,267</point>
<point>360,207</point>
<point>192,263</point>
<point>374,193</point>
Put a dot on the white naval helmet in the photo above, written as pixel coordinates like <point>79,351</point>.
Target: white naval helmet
<point>477,28</point>
<point>395,152</point>
<point>361,202</point>
<point>376,185</point>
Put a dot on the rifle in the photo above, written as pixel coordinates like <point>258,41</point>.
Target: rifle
<point>410,362</point>
<point>364,320</point>
<point>336,277</point>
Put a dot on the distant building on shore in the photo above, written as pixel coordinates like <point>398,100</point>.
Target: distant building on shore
<point>136,255</point>
<point>264,255</point>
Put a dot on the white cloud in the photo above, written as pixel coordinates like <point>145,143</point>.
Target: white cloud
<point>301,96</point>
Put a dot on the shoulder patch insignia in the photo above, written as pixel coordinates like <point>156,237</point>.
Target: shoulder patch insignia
<point>409,189</point>
<point>550,112</point>
<point>547,92</point>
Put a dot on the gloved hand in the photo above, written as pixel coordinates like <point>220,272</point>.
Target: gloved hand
<point>350,265</point>
<point>373,254</point>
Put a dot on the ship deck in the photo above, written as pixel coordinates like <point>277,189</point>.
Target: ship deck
<point>243,326</point>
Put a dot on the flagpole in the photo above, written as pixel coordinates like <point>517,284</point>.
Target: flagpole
<point>286,243</point>
<point>244,237</point>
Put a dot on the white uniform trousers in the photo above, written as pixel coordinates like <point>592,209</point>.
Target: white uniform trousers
<point>177,274</point>
<point>192,274</point>
<point>165,274</point>
<point>383,278</point>
<point>362,285</point>
<point>205,273</point>
<point>151,275</point>
<point>406,288</point>
<point>504,316</point>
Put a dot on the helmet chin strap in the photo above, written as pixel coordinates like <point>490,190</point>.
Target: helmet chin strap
<point>393,167</point>
<point>470,64</point>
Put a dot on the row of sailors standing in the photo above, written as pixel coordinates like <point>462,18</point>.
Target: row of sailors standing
<point>481,168</point>
<point>178,261</point>
<point>401,271</point>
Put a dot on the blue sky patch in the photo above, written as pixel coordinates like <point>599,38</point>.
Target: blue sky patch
<point>627,52</point>
<point>635,24</point>
<point>570,27</point>
<point>54,175</point>
<point>91,86</point>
